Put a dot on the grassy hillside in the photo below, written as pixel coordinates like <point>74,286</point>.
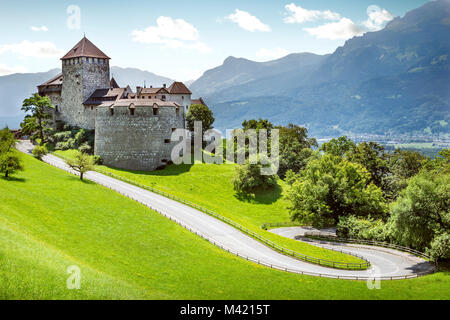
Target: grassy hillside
<point>210,187</point>
<point>49,220</point>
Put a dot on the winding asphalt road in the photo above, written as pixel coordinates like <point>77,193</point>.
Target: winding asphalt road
<point>386,263</point>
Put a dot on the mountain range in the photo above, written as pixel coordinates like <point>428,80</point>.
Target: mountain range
<point>396,81</point>
<point>393,81</point>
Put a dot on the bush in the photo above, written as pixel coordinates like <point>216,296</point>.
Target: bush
<point>39,152</point>
<point>97,160</point>
<point>440,247</point>
<point>352,227</point>
<point>85,148</point>
<point>248,179</point>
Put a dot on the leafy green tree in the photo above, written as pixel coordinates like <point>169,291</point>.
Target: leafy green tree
<point>9,159</point>
<point>422,212</point>
<point>39,152</point>
<point>201,113</point>
<point>258,125</point>
<point>248,178</point>
<point>331,187</point>
<point>39,108</point>
<point>405,163</point>
<point>295,148</point>
<point>81,163</point>
<point>338,147</point>
<point>10,163</point>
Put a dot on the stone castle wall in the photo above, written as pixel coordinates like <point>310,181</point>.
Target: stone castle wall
<point>81,79</point>
<point>136,142</point>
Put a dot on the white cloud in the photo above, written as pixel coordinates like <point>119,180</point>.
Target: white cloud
<point>342,29</point>
<point>36,49</point>
<point>297,14</point>
<point>37,29</point>
<point>248,22</point>
<point>377,18</point>
<point>5,70</point>
<point>271,54</point>
<point>173,33</point>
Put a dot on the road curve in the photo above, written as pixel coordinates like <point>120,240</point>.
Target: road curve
<point>386,265</point>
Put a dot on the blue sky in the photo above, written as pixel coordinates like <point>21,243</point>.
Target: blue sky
<point>182,39</point>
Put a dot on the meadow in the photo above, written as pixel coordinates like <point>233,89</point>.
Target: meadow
<point>210,187</point>
<point>50,220</point>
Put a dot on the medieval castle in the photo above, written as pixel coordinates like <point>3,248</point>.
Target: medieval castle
<point>132,129</point>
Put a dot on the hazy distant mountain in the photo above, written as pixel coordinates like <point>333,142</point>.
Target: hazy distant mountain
<point>395,80</point>
<point>135,77</point>
<point>17,87</point>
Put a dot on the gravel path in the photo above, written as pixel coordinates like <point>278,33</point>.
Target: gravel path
<point>230,239</point>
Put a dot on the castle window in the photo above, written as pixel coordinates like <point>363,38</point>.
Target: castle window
<point>111,110</point>
<point>92,107</point>
<point>163,98</point>
<point>155,111</point>
<point>132,111</point>
<point>56,108</point>
<point>87,60</point>
<point>178,111</point>
<point>167,141</point>
<point>182,97</point>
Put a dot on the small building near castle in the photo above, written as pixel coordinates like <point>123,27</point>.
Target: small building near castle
<point>132,129</point>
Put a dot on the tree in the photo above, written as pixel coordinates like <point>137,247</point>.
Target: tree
<point>422,212</point>
<point>39,108</point>
<point>295,148</point>
<point>258,125</point>
<point>9,160</point>
<point>81,163</point>
<point>39,152</point>
<point>201,113</point>
<point>248,178</point>
<point>331,187</point>
<point>405,163</point>
<point>10,163</point>
<point>338,147</point>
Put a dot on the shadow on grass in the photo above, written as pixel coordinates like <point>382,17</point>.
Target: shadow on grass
<point>13,179</point>
<point>170,170</point>
<point>84,181</point>
<point>261,196</point>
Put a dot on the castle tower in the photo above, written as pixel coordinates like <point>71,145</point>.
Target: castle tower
<point>85,68</point>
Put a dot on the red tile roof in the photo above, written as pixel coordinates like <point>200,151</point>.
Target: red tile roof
<point>179,88</point>
<point>85,48</point>
<point>198,101</point>
<point>57,80</point>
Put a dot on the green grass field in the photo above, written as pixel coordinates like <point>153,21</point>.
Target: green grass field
<point>210,187</point>
<point>50,220</point>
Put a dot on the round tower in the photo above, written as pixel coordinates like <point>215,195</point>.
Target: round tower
<point>85,68</point>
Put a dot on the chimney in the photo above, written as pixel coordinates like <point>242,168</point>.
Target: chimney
<point>164,85</point>
<point>138,90</point>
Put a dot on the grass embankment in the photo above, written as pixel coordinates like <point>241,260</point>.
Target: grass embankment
<point>49,220</point>
<point>210,186</point>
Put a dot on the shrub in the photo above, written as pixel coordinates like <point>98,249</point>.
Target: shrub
<point>85,148</point>
<point>365,229</point>
<point>97,160</point>
<point>39,152</point>
<point>248,178</point>
<point>440,247</point>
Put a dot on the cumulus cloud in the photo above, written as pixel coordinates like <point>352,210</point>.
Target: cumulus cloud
<point>248,22</point>
<point>342,29</point>
<point>377,18</point>
<point>297,14</point>
<point>172,33</point>
<point>37,29</point>
<point>38,49</point>
<point>271,54</point>
<point>6,70</point>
